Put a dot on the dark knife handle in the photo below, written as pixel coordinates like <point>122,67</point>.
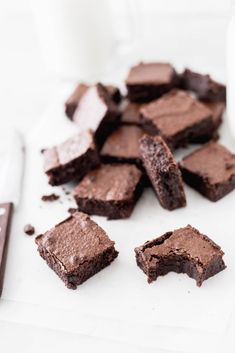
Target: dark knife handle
<point>5,220</point>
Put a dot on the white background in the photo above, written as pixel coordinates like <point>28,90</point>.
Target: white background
<point>185,32</point>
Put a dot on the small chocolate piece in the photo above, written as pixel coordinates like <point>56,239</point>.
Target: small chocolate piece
<point>210,170</point>
<point>71,210</point>
<point>111,191</point>
<point>50,198</point>
<point>29,229</point>
<point>131,114</point>
<point>163,172</point>
<point>184,250</point>
<point>146,82</point>
<point>122,146</point>
<point>177,117</point>
<point>97,112</point>
<point>76,249</point>
<point>71,160</point>
<point>72,103</point>
<point>203,86</point>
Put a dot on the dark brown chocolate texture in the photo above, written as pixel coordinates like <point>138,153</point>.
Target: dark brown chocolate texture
<point>111,190</point>
<point>131,114</point>
<point>76,249</point>
<point>184,250</point>
<point>123,146</point>
<point>163,172</point>
<point>203,86</point>
<point>177,117</point>
<point>148,81</point>
<point>97,112</point>
<point>71,159</point>
<point>210,170</point>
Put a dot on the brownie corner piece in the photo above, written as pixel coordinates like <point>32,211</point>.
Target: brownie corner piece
<point>210,170</point>
<point>111,190</point>
<point>163,172</point>
<point>184,250</point>
<point>148,81</point>
<point>72,159</point>
<point>76,249</point>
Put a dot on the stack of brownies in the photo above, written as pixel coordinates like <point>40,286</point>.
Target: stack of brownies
<point>124,144</point>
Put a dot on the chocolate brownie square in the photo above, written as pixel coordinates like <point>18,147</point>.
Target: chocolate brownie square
<point>203,86</point>
<point>131,114</point>
<point>184,250</point>
<point>210,170</point>
<point>122,146</point>
<point>76,249</point>
<point>148,81</point>
<point>97,112</point>
<point>163,172</point>
<point>72,102</point>
<point>110,190</point>
<point>71,159</point>
<point>178,117</point>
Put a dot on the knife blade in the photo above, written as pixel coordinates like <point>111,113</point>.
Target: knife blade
<point>11,172</point>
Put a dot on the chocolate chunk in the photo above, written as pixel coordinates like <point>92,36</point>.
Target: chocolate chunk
<point>71,159</point>
<point>123,146</point>
<point>97,112</point>
<point>177,117</point>
<point>50,198</point>
<point>149,81</point>
<point>73,101</point>
<point>203,86</point>
<point>76,249</point>
<point>111,191</point>
<point>184,250</point>
<point>163,172</point>
<point>29,229</point>
<point>206,170</point>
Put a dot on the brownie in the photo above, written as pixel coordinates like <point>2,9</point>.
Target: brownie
<point>110,190</point>
<point>97,112</point>
<point>131,114</point>
<point>71,159</point>
<point>123,146</point>
<point>184,250</point>
<point>72,102</point>
<point>178,117</point>
<point>217,109</point>
<point>203,86</point>
<point>163,172</point>
<point>76,249</point>
<point>148,81</point>
<point>210,170</point>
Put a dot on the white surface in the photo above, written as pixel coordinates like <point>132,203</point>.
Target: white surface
<point>196,38</point>
<point>118,303</point>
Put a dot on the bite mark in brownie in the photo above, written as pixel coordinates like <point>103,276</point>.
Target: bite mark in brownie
<point>111,190</point>
<point>71,159</point>
<point>76,249</point>
<point>177,117</point>
<point>122,146</point>
<point>203,86</point>
<point>148,81</point>
<point>97,112</point>
<point>163,172</point>
<point>210,170</point>
<point>184,250</point>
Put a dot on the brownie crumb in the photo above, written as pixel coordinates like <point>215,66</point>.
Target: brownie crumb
<point>29,229</point>
<point>50,198</point>
<point>71,210</point>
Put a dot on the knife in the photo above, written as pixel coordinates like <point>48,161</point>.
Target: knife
<point>11,171</point>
